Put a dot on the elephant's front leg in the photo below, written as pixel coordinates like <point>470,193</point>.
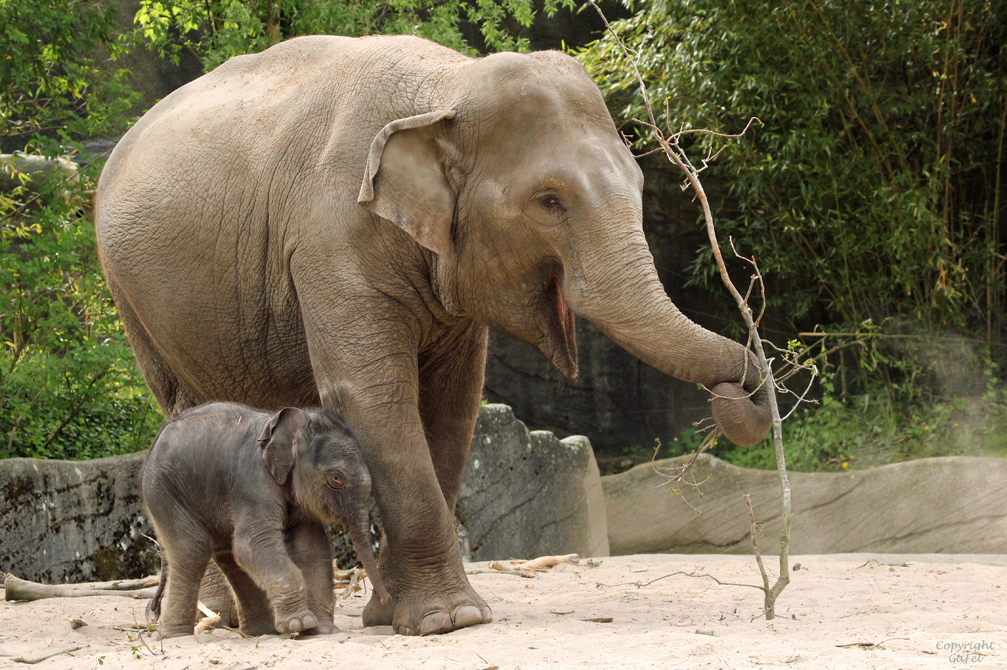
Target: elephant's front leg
<point>421,564</point>
<point>312,553</point>
<point>365,355</point>
<point>260,550</point>
<point>450,387</point>
<point>420,561</point>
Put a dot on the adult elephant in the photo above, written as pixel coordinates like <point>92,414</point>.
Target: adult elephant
<point>339,221</point>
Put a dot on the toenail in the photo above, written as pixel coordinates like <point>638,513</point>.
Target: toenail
<point>467,615</point>
<point>435,622</point>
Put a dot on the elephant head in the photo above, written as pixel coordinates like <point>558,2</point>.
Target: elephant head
<point>329,477</point>
<point>531,203</point>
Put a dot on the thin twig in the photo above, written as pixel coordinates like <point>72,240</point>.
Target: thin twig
<point>33,661</point>
<point>679,158</point>
<point>755,545</point>
<point>640,585</point>
<point>235,630</point>
<point>705,131</point>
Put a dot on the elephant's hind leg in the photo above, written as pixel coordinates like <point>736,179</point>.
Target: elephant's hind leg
<point>255,616</point>
<point>188,555</point>
<point>171,395</point>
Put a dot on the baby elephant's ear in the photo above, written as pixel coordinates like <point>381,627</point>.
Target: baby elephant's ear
<point>277,441</point>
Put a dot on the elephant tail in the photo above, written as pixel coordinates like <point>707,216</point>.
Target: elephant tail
<point>154,606</point>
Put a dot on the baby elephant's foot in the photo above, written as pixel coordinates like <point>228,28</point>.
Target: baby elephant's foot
<point>258,628</point>
<point>296,622</point>
<point>169,631</point>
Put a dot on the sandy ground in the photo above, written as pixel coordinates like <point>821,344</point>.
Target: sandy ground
<point>838,612</point>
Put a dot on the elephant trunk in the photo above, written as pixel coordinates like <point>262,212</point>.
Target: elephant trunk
<point>360,535</point>
<point>625,299</point>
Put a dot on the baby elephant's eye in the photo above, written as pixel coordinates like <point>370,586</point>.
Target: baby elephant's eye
<point>335,482</point>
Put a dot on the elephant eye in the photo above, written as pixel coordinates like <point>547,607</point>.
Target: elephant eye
<point>550,202</point>
<point>335,482</point>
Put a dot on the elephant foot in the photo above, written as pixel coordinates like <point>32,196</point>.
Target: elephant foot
<point>259,628</point>
<point>169,631</point>
<point>296,622</point>
<point>433,615</point>
<point>324,628</point>
<point>377,613</point>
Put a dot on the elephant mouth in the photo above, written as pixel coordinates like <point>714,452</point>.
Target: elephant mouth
<point>559,341</point>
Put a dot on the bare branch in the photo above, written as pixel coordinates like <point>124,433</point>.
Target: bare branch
<point>748,125</point>
<point>674,153</point>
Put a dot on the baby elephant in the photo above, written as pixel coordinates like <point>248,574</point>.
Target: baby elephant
<point>251,489</point>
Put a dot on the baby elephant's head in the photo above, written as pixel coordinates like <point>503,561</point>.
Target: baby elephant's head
<point>329,479</point>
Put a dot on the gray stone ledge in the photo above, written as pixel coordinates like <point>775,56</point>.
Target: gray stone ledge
<point>952,505</point>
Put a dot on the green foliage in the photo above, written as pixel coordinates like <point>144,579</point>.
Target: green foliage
<point>222,29</point>
<point>870,430</point>
<point>872,197</point>
<point>50,79</point>
<point>69,387</point>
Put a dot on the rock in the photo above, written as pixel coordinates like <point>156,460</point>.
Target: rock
<point>73,521</point>
<point>149,74</point>
<point>528,494</point>
<point>949,505</point>
<point>34,170</point>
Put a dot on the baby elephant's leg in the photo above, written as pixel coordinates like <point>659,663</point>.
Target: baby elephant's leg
<point>312,553</point>
<point>215,592</point>
<point>188,549</point>
<point>254,613</point>
<point>261,553</point>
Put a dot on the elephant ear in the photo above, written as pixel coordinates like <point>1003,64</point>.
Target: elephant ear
<point>405,181</point>
<point>277,442</point>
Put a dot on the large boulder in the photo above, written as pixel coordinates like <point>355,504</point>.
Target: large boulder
<point>524,494</point>
<point>950,505</point>
<point>528,494</point>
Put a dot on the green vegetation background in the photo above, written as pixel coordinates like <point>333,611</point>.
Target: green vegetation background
<point>872,196</point>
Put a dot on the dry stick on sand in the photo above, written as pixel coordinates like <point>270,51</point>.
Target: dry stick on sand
<point>520,568</point>
<point>670,146</point>
<point>517,573</point>
<point>210,619</point>
<point>33,661</point>
<point>640,585</point>
<point>22,589</point>
<point>542,562</point>
<point>354,577</point>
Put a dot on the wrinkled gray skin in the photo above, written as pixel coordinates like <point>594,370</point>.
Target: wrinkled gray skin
<point>252,490</point>
<point>340,220</point>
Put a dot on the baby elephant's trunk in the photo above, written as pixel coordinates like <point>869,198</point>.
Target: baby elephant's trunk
<point>360,535</point>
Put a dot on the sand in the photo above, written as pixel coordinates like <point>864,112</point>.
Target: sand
<point>838,612</point>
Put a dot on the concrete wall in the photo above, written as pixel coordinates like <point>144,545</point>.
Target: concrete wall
<point>954,505</point>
